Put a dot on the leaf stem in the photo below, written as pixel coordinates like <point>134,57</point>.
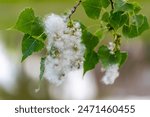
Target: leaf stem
<point>73,10</point>
<point>112,4</point>
<point>117,42</point>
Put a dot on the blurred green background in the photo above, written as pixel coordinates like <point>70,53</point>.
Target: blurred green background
<point>19,80</point>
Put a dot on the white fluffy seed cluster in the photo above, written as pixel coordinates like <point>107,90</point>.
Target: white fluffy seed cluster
<point>111,47</point>
<point>66,53</point>
<point>111,74</point>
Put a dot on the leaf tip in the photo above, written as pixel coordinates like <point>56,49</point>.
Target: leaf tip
<point>23,58</point>
<point>83,74</point>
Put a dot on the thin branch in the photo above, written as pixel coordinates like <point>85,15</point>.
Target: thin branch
<point>112,4</point>
<point>73,10</point>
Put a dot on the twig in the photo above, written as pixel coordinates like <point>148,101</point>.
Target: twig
<point>112,4</point>
<point>73,10</point>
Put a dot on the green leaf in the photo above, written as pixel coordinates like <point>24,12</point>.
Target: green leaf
<point>105,3</point>
<point>137,8</point>
<point>121,5</point>
<point>42,67</point>
<point>91,59</point>
<point>37,27</point>
<point>124,56</point>
<point>138,26</point>
<point>104,56</point>
<point>105,17</point>
<point>108,59</point>
<point>118,19</point>
<point>29,24</point>
<point>33,40</point>
<point>144,26</point>
<point>41,37</point>
<point>92,8</point>
<point>88,39</point>
<point>25,19</point>
<point>130,31</point>
<point>118,4</point>
<point>30,45</point>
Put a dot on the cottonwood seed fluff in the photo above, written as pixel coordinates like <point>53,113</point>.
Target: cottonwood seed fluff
<point>111,73</point>
<point>65,50</point>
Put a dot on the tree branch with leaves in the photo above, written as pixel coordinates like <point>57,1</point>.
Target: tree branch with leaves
<point>70,46</point>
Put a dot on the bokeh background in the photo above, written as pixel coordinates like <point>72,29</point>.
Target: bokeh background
<point>19,80</point>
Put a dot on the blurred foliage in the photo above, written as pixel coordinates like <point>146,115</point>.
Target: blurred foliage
<point>21,1</point>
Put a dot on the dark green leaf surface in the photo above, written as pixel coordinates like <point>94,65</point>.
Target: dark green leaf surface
<point>108,59</point>
<point>88,39</point>
<point>124,56</point>
<point>33,40</point>
<point>118,19</point>
<point>139,25</point>
<point>30,45</point>
<point>104,56</point>
<point>105,3</point>
<point>25,20</point>
<point>29,24</point>
<point>105,17</point>
<point>91,59</point>
<point>92,8</point>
